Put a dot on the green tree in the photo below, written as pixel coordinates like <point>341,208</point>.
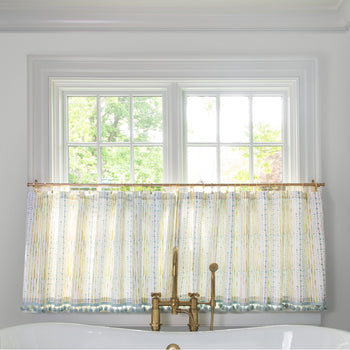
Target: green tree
<point>267,160</point>
<point>117,115</point>
<point>115,119</point>
<point>145,114</point>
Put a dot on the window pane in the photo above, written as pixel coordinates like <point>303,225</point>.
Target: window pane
<point>148,119</point>
<point>234,164</point>
<point>148,164</point>
<point>201,119</point>
<point>234,119</point>
<point>268,164</point>
<point>267,119</point>
<point>115,119</point>
<point>82,119</point>
<point>82,164</point>
<point>115,164</point>
<point>201,164</point>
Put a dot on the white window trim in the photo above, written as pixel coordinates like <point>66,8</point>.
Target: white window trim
<point>48,74</point>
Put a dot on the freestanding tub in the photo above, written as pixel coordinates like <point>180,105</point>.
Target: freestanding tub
<point>77,336</point>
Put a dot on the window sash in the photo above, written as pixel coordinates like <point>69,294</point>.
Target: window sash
<point>251,144</point>
<point>99,144</point>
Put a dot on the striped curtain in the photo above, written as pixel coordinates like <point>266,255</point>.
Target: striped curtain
<point>109,250</point>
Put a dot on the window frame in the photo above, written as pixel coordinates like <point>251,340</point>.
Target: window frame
<point>231,88</point>
<point>49,76</point>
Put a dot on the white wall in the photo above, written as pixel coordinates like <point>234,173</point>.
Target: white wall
<point>333,52</point>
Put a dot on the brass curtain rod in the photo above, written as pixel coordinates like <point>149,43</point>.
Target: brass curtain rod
<point>92,185</point>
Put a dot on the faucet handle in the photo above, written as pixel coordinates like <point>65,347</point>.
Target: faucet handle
<point>193,295</point>
<point>156,295</point>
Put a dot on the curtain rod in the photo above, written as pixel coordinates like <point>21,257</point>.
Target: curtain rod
<point>92,185</point>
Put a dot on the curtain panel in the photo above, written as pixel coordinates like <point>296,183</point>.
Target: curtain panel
<point>91,251</point>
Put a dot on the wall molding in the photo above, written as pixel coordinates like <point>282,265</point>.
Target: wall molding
<point>255,15</point>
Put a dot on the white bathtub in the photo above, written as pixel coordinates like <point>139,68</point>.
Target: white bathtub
<point>77,336</point>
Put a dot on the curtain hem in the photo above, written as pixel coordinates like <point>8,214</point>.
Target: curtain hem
<point>225,308</point>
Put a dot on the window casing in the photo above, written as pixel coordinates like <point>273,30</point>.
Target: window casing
<point>50,77</point>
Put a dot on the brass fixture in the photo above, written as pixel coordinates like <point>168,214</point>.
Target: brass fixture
<point>37,184</point>
<point>175,303</point>
<point>172,347</point>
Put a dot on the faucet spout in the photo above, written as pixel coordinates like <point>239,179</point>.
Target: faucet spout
<point>175,265</point>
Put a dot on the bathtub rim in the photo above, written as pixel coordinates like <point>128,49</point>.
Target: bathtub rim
<point>169,329</point>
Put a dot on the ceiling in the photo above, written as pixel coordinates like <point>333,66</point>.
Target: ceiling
<point>54,15</point>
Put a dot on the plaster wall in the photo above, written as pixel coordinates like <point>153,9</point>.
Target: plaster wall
<point>333,53</point>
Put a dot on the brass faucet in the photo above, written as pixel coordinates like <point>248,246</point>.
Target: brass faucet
<point>175,303</point>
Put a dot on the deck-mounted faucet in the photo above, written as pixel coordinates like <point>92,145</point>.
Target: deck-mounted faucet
<point>175,303</point>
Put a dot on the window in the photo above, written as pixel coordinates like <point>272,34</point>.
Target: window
<point>192,120</point>
<point>228,135</point>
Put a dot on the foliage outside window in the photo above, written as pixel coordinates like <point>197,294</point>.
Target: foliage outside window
<point>239,136</point>
<point>115,138</point>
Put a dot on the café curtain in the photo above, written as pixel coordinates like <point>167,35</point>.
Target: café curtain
<point>107,251</point>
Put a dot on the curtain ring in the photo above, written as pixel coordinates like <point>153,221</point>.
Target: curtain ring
<point>36,186</point>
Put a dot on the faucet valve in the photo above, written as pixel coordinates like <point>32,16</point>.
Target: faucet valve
<point>155,316</point>
<point>193,295</point>
<point>176,304</point>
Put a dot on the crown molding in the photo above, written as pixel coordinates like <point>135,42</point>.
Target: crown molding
<point>190,15</point>
<point>345,10</point>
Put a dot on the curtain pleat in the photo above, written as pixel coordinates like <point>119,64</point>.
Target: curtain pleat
<point>91,251</point>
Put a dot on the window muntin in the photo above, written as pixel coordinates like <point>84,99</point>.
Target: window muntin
<point>114,138</point>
